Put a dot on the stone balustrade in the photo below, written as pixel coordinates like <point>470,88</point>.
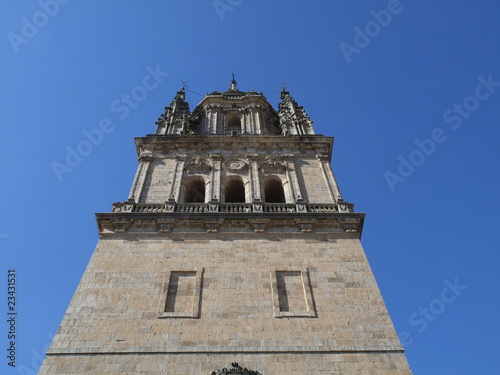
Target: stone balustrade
<point>260,207</point>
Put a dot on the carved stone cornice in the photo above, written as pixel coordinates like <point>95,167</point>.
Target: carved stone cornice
<point>165,225</point>
<point>259,225</point>
<point>169,145</point>
<point>305,225</point>
<point>213,226</point>
<point>161,220</point>
<point>116,225</point>
<point>215,106</point>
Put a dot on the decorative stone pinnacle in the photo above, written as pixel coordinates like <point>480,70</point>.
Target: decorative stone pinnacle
<point>233,84</point>
<point>175,118</point>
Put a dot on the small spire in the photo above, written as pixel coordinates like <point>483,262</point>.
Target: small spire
<point>182,93</point>
<point>233,84</point>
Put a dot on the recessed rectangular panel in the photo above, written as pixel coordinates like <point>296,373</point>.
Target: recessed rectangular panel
<point>181,295</point>
<point>292,294</point>
<point>290,291</point>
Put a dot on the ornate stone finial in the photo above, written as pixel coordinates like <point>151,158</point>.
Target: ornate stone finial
<point>175,118</point>
<point>233,84</point>
<point>293,118</point>
<point>235,369</point>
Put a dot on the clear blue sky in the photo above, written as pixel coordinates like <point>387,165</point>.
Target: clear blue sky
<point>409,89</point>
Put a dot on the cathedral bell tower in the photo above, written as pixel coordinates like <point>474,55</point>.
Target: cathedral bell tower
<point>234,253</point>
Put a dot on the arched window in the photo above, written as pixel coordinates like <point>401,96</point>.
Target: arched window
<point>235,190</point>
<point>273,191</point>
<point>195,191</point>
<point>234,123</point>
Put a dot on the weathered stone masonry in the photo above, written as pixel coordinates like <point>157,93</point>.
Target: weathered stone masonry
<point>234,253</point>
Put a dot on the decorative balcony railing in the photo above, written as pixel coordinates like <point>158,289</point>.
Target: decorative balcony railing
<point>235,207</point>
<point>323,208</point>
<point>130,206</point>
<point>279,207</point>
<point>191,207</point>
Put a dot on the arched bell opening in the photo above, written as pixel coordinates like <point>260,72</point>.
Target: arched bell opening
<point>234,191</point>
<point>273,191</point>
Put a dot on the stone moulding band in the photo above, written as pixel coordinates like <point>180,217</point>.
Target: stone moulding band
<point>163,352</point>
<point>276,223</point>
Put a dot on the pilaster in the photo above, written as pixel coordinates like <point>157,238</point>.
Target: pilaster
<point>175,186</point>
<point>215,177</point>
<point>140,178</point>
<point>329,177</point>
<point>255,191</point>
<point>291,174</point>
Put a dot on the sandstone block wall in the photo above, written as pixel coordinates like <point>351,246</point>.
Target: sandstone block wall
<point>118,309</point>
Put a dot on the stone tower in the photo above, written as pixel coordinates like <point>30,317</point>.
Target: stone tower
<point>234,254</point>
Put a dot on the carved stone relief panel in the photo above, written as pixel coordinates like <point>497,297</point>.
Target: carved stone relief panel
<point>197,165</point>
<point>234,166</point>
<point>272,165</point>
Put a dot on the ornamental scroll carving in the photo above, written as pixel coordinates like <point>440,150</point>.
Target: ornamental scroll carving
<point>180,157</point>
<point>198,165</point>
<point>216,157</point>
<point>322,157</point>
<point>271,165</point>
<point>234,165</point>
<point>234,370</point>
<point>146,158</point>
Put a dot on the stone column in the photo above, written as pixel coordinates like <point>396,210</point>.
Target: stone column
<point>210,119</point>
<point>220,123</point>
<point>140,178</point>
<point>214,120</point>
<point>215,180</point>
<point>175,186</point>
<point>259,122</point>
<point>244,122</point>
<point>331,183</point>
<point>253,174</point>
<point>253,122</point>
<point>291,175</point>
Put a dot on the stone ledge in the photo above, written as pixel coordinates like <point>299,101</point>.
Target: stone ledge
<point>187,223</point>
<point>224,350</point>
